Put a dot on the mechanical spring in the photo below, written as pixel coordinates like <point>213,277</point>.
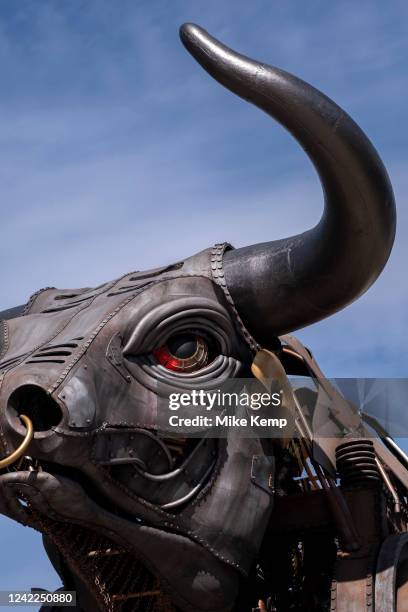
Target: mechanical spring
<point>356,463</point>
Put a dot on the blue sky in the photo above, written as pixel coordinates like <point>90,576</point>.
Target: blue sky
<point>117,152</point>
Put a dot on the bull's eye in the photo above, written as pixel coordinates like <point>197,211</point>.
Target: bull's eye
<point>185,352</point>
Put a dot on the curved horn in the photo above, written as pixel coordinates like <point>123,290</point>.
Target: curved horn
<point>282,285</point>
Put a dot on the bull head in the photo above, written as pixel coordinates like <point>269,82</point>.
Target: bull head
<point>92,370</point>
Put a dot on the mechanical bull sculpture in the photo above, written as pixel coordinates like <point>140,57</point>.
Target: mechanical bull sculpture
<point>135,521</point>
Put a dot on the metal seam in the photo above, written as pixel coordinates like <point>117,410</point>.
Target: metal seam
<point>32,299</point>
<point>5,338</point>
<point>217,271</point>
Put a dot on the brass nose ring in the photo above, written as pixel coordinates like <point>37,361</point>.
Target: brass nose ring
<point>19,452</point>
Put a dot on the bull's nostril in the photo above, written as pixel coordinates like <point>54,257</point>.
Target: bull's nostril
<point>34,402</point>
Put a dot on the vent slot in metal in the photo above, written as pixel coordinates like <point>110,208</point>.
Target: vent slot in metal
<point>129,288</point>
<point>46,361</point>
<point>68,305</point>
<point>54,353</point>
<point>157,271</point>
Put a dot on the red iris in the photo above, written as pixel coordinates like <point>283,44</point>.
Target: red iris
<point>168,360</point>
<point>184,352</point>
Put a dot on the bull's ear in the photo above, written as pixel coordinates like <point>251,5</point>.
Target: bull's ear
<point>12,313</point>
